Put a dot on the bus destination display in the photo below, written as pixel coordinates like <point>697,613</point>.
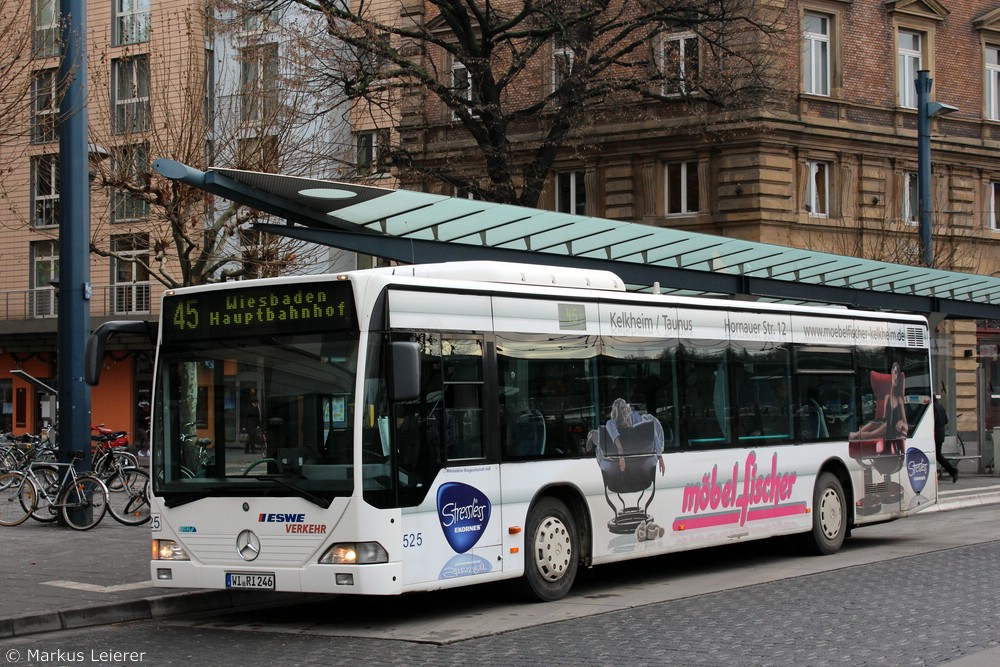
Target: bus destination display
<point>258,311</point>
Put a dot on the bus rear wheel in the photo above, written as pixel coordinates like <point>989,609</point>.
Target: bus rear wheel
<point>829,517</point>
<point>551,554</point>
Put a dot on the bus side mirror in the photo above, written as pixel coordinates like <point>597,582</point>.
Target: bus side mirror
<point>93,356</point>
<point>405,360</point>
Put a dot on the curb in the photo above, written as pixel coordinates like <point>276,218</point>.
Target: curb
<point>138,610</point>
<point>962,502</point>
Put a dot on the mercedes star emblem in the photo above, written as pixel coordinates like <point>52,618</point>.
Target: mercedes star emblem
<point>248,545</point>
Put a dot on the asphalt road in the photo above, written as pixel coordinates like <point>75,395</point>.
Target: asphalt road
<point>914,592</point>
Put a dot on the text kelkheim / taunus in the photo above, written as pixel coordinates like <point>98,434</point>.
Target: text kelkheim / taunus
<point>649,324</point>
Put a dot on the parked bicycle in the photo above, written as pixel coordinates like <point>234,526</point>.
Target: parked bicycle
<point>80,499</point>
<point>128,491</point>
<point>110,453</point>
<point>197,456</point>
<point>17,452</point>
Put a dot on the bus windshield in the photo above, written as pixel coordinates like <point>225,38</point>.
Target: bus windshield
<point>254,410</point>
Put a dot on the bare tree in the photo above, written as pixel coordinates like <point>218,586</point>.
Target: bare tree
<point>16,45</point>
<point>521,78</point>
<point>878,222</point>
<point>251,109</point>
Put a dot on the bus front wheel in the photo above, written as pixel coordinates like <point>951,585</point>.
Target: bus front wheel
<point>551,551</point>
<point>829,517</point>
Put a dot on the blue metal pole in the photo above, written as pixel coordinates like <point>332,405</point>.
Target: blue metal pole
<point>74,237</point>
<point>923,83</point>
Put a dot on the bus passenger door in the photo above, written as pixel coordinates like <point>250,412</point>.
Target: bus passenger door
<point>458,522</point>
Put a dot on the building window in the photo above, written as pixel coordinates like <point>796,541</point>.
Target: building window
<point>372,147</point>
<point>256,17</point>
<point>44,106</point>
<point>910,59</point>
<point>45,42</point>
<point>461,84</point>
<point>679,62</point>
<point>131,22</point>
<point>464,192</point>
<point>130,273</point>
<point>45,271</point>
<point>681,191</point>
<point>818,189</point>
<point>993,82</point>
<point>911,198</point>
<point>258,83</point>
<point>571,192</point>
<point>562,61</point>
<point>131,166</point>
<point>130,88</point>
<point>995,206</point>
<point>45,190</point>
<point>209,88</point>
<point>816,54</point>
<point>258,154</point>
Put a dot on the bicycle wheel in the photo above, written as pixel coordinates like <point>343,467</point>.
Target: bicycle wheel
<point>120,462</point>
<point>12,485</point>
<point>45,455</point>
<point>8,460</point>
<point>46,481</point>
<point>103,466</point>
<point>84,503</point>
<point>128,496</point>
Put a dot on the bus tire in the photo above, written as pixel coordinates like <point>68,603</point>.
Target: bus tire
<point>829,517</point>
<point>551,554</point>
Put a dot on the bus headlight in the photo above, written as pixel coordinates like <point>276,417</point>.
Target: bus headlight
<point>355,553</point>
<point>168,550</point>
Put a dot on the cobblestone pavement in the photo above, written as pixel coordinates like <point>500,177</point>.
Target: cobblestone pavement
<point>923,610</point>
<point>930,609</point>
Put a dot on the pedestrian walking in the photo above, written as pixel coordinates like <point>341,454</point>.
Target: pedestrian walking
<point>940,421</point>
<point>251,426</point>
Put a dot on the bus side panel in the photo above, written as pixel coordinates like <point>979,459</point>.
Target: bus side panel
<point>454,536</point>
<point>701,499</point>
<point>898,482</point>
<point>709,498</point>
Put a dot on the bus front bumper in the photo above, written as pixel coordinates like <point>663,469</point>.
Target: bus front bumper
<point>369,579</point>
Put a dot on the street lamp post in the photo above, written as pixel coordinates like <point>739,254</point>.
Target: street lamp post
<point>925,111</point>
<point>74,236</point>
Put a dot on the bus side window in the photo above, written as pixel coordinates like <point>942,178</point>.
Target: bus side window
<point>462,368</point>
<point>463,421</point>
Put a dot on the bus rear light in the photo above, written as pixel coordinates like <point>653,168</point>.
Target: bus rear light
<point>355,553</point>
<point>168,550</point>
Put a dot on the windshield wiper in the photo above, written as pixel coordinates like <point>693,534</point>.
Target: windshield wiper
<point>299,491</point>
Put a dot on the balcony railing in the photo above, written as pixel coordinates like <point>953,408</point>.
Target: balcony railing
<point>105,301</point>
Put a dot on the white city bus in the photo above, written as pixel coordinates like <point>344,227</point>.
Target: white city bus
<point>432,426</point>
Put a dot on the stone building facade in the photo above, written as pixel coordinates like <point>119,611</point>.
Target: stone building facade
<point>827,162</point>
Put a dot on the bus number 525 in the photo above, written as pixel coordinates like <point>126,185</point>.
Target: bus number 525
<point>413,540</point>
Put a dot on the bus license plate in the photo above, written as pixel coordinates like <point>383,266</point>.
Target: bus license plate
<point>247,580</point>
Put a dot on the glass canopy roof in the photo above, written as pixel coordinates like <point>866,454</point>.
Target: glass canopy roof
<point>416,227</point>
